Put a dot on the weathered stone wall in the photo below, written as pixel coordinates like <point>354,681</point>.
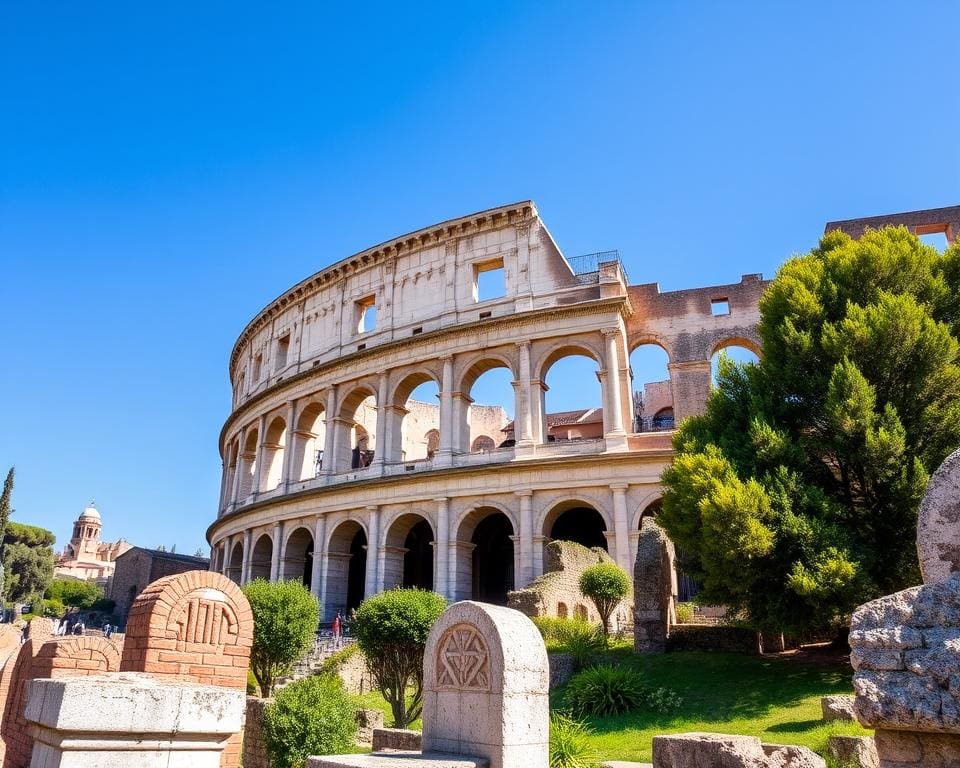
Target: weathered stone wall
<point>654,589</point>
<point>254,740</point>
<point>557,592</point>
<point>707,637</point>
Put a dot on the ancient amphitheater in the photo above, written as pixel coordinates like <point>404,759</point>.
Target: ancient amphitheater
<point>333,474</point>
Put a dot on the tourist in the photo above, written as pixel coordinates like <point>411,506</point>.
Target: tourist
<point>110,630</point>
<point>78,628</point>
<point>337,626</point>
<point>106,630</point>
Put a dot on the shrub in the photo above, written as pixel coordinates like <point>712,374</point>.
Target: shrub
<point>684,613</point>
<point>606,584</point>
<point>569,743</point>
<point>578,638</point>
<point>77,594</point>
<point>313,716</point>
<point>391,629</point>
<point>331,665</point>
<point>54,607</point>
<point>285,616</point>
<point>604,690</point>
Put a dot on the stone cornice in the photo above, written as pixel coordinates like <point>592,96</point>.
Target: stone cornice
<point>523,211</point>
<point>419,477</point>
<point>568,310</point>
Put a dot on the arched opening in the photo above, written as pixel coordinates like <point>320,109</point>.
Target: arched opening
<point>298,557</point>
<point>651,389</point>
<point>687,587</point>
<point>572,397</point>
<point>235,568</point>
<point>575,521</point>
<point>492,558</point>
<point>484,407</point>
<point>416,411</point>
<point>248,465</point>
<point>308,443</point>
<point>261,560</point>
<point>409,553</point>
<point>562,610</point>
<point>346,569</point>
<point>733,352</point>
<point>356,438</point>
<point>273,450</point>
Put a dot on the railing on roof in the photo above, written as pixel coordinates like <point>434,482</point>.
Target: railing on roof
<point>589,263</point>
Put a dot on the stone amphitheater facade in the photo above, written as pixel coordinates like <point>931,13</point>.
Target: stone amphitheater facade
<point>333,475</point>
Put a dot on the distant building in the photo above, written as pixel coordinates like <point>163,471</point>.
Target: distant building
<point>86,558</point>
<point>138,567</point>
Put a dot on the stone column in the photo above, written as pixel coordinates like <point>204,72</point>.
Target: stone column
<point>525,573</point>
<point>538,543</point>
<point>247,555</point>
<point>288,448</point>
<point>259,478</point>
<point>227,545</point>
<point>238,470</point>
<point>523,429</point>
<point>329,432</point>
<point>461,422</point>
<point>621,526</point>
<point>445,454</point>
<point>319,555</point>
<point>276,554</point>
<point>373,551</point>
<point>442,546</point>
<point>382,449</point>
<point>690,384</point>
<point>613,421</point>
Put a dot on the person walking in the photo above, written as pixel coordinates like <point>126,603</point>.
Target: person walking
<point>78,628</point>
<point>337,628</point>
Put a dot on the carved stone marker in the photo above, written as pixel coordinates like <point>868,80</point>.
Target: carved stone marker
<point>654,588</point>
<point>938,523</point>
<point>486,687</point>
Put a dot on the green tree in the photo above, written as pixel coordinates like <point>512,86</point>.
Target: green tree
<point>794,496</point>
<point>4,519</point>
<point>76,594</point>
<point>391,629</point>
<point>27,561</point>
<point>285,617</point>
<point>606,584</point>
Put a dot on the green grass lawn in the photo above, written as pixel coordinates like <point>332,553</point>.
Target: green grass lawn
<point>776,699</point>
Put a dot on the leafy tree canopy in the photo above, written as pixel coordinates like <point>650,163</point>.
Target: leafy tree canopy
<point>27,571</point>
<point>285,617</point>
<point>606,584</point>
<point>31,535</point>
<point>795,495</point>
<point>76,594</point>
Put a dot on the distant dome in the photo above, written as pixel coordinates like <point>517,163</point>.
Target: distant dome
<point>90,513</point>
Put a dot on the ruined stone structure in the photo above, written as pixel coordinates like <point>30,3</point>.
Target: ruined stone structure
<point>324,478</point>
<point>86,557</point>
<point>654,589</point>
<point>191,629</point>
<point>926,222</point>
<point>557,592</point>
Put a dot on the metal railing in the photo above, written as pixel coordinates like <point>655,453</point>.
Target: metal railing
<point>589,263</point>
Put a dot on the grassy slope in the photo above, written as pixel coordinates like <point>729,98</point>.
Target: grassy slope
<point>776,699</point>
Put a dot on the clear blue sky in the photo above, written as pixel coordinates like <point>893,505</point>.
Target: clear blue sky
<point>166,170</point>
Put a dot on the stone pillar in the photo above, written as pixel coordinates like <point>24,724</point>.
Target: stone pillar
<point>523,429</point>
<point>259,478</point>
<point>288,448</point>
<point>319,554</point>
<point>621,526</point>
<point>445,454</point>
<point>329,433</point>
<point>247,555</point>
<point>690,384</point>
<point>538,409</point>
<point>538,544</point>
<point>238,470</point>
<point>227,552</point>
<point>461,422</point>
<point>276,554</point>
<point>613,406</point>
<point>505,687</point>
<point>652,589</point>
<point>382,449</point>
<point>372,579</point>
<point>139,719</point>
<point>442,546</point>
<point>525,572</point>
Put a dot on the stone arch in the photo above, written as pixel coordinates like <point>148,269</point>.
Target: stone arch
<point>274,446</point>
<point>566,348</point>
<point>261,557</point>
<point>348,452</point>
<point>648,506</point>
<point>235,564</point>
<point>478,367</point>
<point>578,520</point>
<point>483,443</point>
<point>651,385</point>
<point>308,440</point>
<point>409,558</point>
<point>298,554</point>
<point>408,428</point>
<point>750,342</point>
<point>550,430</point>
<point>346,552</point>
<point>248,464</point>
<point>486,556</point>
<point>562,611</point>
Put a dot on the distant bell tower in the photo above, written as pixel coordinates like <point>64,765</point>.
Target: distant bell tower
<point>86,532</point>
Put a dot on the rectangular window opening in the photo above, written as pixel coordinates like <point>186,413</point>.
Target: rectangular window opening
<point>283,351</point>
<point>489,280</point>
<point>361,347</point>
<point>257,368</point>
<point>366,314</point>
<point>719,307</point>
<point>417,331</point>
<point>486,315</point>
